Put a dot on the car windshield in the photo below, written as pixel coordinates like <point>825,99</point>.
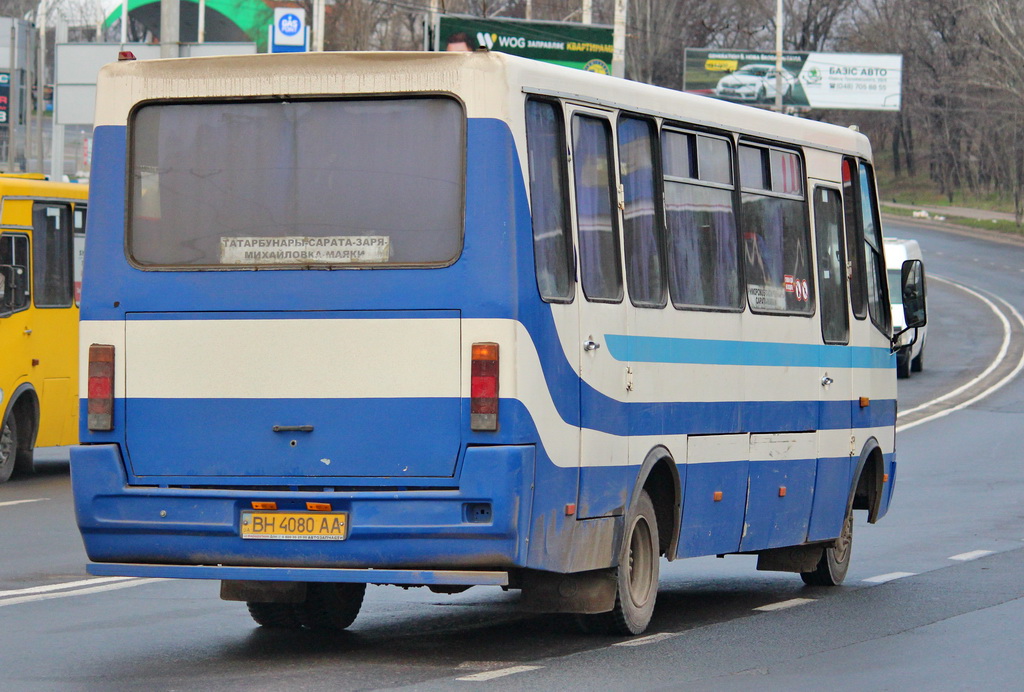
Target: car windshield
<point>895,286</point>
<point>756,70</point>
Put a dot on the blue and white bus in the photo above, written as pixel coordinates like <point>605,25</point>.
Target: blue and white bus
<point>468,319</point>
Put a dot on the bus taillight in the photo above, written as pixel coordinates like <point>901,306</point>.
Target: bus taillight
<point>483,406</point>
<point>101,387</point>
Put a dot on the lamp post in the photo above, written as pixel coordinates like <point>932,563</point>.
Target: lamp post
<point>778,55</point>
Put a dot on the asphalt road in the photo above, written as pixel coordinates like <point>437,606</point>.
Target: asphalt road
<point>933,600</point>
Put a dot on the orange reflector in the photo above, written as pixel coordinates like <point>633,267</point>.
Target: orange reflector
<point>485,351</point>
<point>264,505</point>
<point>570,509</point>
<point>864,401</point>
<point>885,476</point>
<point>718,496</point>
<point>782,491</point>
<point>318,507</point>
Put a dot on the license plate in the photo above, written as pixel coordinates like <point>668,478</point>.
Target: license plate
<point>292,526</point>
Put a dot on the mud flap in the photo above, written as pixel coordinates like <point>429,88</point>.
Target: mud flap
<point>579,592</point>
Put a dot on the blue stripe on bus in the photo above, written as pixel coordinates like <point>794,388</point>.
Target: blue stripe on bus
<point>656,349</point>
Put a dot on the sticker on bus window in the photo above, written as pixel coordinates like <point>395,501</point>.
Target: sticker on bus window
<point>766,297</point>
<point>295,249</point>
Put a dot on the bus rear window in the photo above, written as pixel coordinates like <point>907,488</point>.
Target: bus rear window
<point>293,184</point>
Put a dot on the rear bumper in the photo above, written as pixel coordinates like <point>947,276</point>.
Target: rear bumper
<point>413,531</point>
<point>405,577</point>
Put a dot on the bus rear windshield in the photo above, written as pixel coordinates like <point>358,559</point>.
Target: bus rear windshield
<point>293,184</point>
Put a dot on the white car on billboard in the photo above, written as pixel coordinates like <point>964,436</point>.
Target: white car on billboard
<point>754,83</point>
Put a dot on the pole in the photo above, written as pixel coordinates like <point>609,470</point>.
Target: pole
<point>124,22</point>
<point>201,38</point>
<point>588,12</point>
<point>319,17</point>
<point>619,38</point>
<point>12,113</point>
<point>778,55</point>
<point>60,35</point>
<point>170,28</point>
<point>40,82</point>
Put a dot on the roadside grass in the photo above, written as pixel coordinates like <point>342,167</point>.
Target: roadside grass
<point>999,226</point>
<point>922,190</point>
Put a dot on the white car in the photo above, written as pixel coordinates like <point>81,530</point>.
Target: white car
<point>754,83</point>
<point>898,251</point>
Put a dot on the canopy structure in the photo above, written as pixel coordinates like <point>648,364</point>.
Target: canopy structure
<point>226,20</point>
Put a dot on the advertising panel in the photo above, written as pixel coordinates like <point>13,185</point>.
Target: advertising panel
<point>850,81</point>
<point>583,46</point>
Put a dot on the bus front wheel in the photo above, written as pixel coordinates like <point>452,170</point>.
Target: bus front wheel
<point>637,576</point>
<point>835,559</point>
<point>8,448</point>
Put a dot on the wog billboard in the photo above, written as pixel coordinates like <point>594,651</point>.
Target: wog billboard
<point>851,81</point>
<point>583,46</point>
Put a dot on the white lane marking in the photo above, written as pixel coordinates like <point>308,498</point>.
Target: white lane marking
<point>882,578</point>
<point>650,639</point>
<point>62,586</point>
<point>22,502</point>
<point>1003,349</point>
<point>973,555</point>
<point>492,674</point>
<point>77,592</point>
<point>991,390</point>
<point>784,604</point>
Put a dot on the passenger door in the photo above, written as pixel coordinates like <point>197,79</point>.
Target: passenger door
<point>832,480</point>
<point>600,295</point>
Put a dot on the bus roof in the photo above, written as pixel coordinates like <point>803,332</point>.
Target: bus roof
<point>487,82</point>
<point>33,185</point>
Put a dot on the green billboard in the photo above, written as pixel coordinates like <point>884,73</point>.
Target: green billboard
<point>582,46</point>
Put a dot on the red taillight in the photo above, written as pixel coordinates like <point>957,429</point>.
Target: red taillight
<point>483,406</point>
<point>101,387</point>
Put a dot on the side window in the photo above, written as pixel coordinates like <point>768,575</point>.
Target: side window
<point>854,240</point>
<point>552,240</point>
<point>776,237</point>
<point>644,273</point>
<point>703,246</point>
<point>596,214</point>
<point>14,260</point>
<point>51,254</point>
<point>874,260</point>
<point>835,320</point>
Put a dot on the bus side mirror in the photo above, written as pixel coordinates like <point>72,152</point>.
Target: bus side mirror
<point>11,279</point>
<point>6,276</point>
<point>914,311</point>
<point>912,278</point>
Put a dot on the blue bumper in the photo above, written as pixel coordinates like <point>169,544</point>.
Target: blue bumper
<point>395,535</point>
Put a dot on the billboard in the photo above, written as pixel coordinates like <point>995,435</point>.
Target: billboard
<point>849,81</point>
<point>583,46</point>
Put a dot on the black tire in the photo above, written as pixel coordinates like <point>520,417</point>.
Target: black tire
<point>835,559</point>
<point>274,615</point>
<point>330,606</point>
<point>917,364</point>
<point>637,576</point>
<point>8,448</point>
<point>903,364</point>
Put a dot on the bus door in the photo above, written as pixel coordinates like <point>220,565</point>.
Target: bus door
<point>15,332</point>
<point>832,481</point>
<point>53,297</point>
<point>602,316</point>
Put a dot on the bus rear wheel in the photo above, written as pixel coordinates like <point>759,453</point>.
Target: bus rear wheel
<point>8,448</point>
<point>330,606</point>
<point>835,559</point>
<point>274,615</point>
<point>637,576</point>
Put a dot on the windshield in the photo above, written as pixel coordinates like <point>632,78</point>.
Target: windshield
<point>297,183</point>
<point>755,70</point>
<point>895,286</point>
